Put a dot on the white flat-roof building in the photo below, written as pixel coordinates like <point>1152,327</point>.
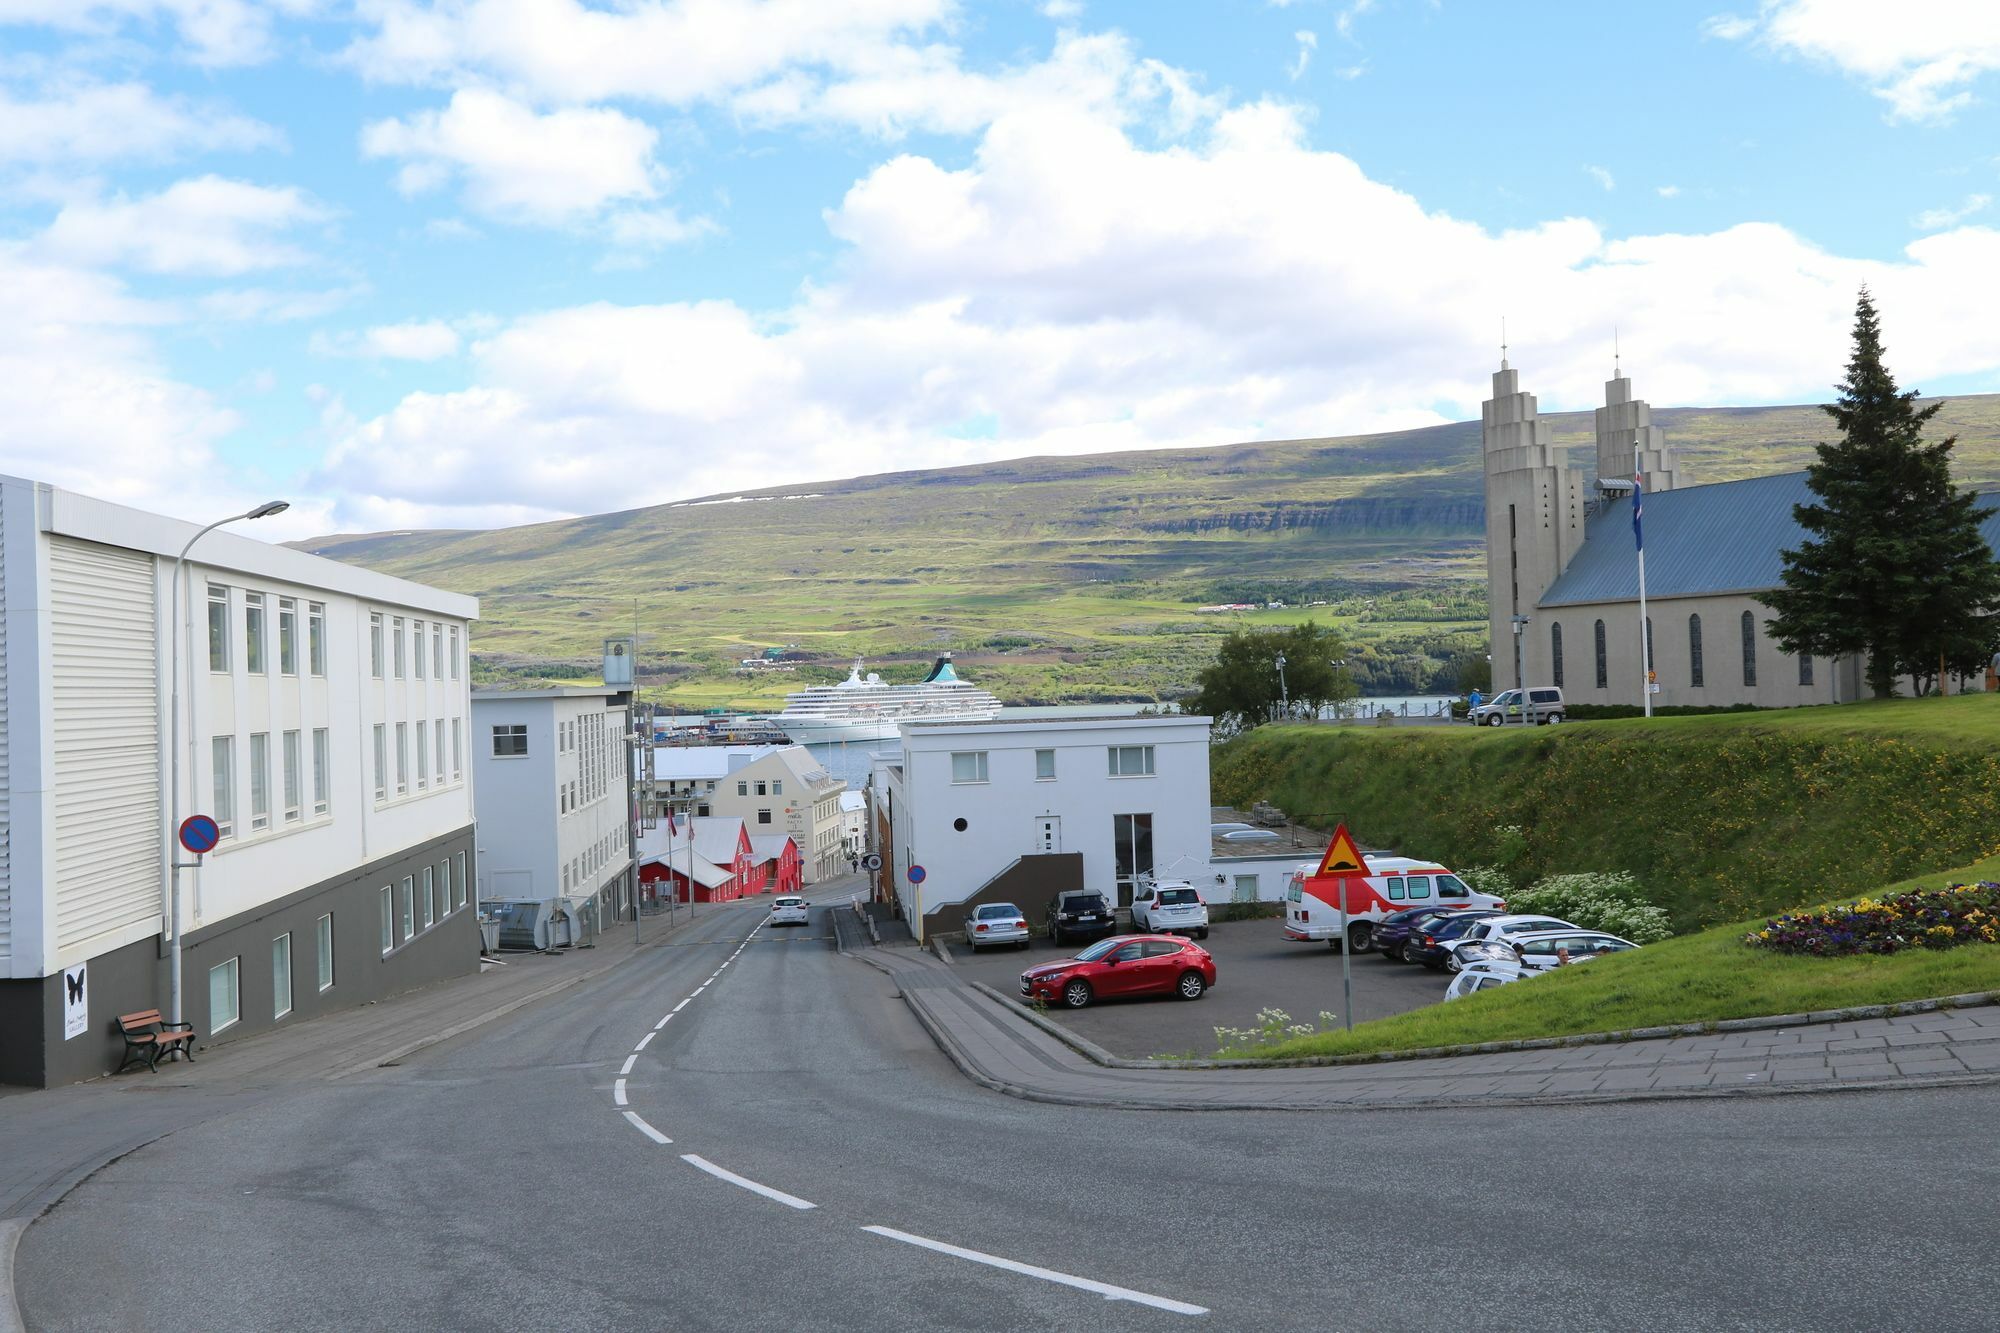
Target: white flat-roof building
<point>1018,811</point>
<point>554,795</point>
<point>321,724</point>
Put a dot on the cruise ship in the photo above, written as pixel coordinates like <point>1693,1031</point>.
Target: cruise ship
<point>869,708</point>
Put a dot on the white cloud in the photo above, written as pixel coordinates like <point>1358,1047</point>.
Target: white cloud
<point>1937,219</point>
<point>1061,10</point>
<point>107,122</point>
<point>1308,43</point>
<point>212,32</point>
<point>1921,59</point>
<point>1343,22</point>
<point>1667,191</point>
<point>1601,176</point>
<point>204,225</point>
<point>416,340</point>
<point>1087,292</point>
<point>517,164</point>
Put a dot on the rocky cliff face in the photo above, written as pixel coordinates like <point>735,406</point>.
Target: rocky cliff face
<point>1362,514</point>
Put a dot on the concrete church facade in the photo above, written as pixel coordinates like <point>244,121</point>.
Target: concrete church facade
<point>1562,572</point>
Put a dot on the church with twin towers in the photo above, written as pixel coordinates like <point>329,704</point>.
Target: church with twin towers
<point>1562,572</point>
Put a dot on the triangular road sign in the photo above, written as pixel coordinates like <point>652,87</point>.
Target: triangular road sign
<point>1342,857</point>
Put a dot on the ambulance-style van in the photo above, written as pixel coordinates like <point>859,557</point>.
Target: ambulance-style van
<point>1312,909</point>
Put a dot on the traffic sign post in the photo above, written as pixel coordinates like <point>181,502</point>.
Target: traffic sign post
<point>1343,861</point>
<point>199,834</point>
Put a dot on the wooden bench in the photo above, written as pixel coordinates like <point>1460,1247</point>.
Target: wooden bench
<point>149,1035</point>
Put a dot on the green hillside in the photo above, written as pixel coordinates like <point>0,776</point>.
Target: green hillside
<point>1053,578</point>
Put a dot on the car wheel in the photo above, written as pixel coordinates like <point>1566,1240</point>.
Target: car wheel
<point>1025,943</point>
<point>1393,952</point>
<point>1076,994</point>
<point>1555,718</point>
<point>1202,933</point>
<point>1361,936</point>
<point>1190,986</point>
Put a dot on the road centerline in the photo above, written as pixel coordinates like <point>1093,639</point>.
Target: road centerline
<point>744,1182</point>
<point>645,1128</point>
<point>1104,1289</point>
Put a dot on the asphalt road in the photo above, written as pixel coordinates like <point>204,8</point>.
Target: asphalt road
<point>493,1182</point>
<point>1256,968</point>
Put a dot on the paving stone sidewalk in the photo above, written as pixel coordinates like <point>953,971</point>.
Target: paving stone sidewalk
<point>996,1044</point>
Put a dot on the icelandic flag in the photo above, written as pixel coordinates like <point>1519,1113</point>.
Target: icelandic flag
<point>1638,507</point>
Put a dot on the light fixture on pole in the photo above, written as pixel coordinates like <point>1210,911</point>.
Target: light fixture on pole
<point>1520,682</point>
<point>174,864</point>
<point>1284,699</point>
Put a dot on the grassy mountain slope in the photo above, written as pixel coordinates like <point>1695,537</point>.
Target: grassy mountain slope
<point>1054,578</point>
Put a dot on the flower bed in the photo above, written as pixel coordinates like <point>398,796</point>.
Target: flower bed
<point>1925,919</point>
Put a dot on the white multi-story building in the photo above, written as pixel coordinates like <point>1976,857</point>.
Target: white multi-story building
<point>322,724</point>
<point>554,795</point>
<point>1019,811</point>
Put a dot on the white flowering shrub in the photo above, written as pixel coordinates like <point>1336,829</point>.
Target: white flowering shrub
<point>1599,900</point>
<point>1273,1026</point>
<point>1491,880</point>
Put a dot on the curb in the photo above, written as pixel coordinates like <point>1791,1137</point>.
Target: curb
<point>936,946</point>
<point>11,1320</point>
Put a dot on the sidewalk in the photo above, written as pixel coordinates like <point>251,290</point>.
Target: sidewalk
<point>57,1137</point>
<point>1004,1046</point>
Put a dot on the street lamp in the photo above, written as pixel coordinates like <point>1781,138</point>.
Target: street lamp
<point>174,864</point>
<point>1520,682</point>
<point>1338,664</point>
<point>1284,699</point>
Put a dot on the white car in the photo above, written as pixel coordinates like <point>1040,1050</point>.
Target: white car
<point>1500,930</point>
<point>996,923</point>
<point>1536,951</point>
<point>1484,976</point>
<point>1168,909</point>
<point>788,911</point>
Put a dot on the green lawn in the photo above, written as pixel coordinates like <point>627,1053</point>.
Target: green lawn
<point>1690,979</point>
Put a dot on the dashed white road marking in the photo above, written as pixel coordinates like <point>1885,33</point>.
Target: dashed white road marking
<point>684,1004</point>
<point>662,1023</point>
<point>1104,1289</point>
<point>645,1128</point>
<point>618,1092</point>
<point>789,1200</point>
<point>696,991</point>
<point>647,1040</point>
<point>630,1060</point>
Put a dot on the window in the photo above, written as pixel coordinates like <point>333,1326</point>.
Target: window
<point>381,762</point>
<point>408,908</point>
<point>454,652</point>
<point>223,996</point>
<point>222,761</point>
<point>398,647</point>
<point>763,816</point>
<point>437,650</point>
<point>701,809</point>
<point>218,627</point>
<point>253,633</point>
<point>322,761</point>
<point>1396,891</point>
<point>325,936</point>
<point>457,748</point>
<point>1603,671</point>
<point>742,789</point>
<point>429,899</point>
<point>1132,843</point>
<point>762,792</point>
<point>1694,651</point>
<point>288,637</point>
<point>510,741</point>
<point>1805,668</point>
<point>375,644</point>
<point>1450,886</point>
<point>294,757</point>
<point>1418,886</point>
<point>1245,890</point>
<point>1556,652</point>
<point>777,787</point>
<point>458,882</point>
<point>417,634</point>
<point>438,752</point>
<point>1749,649</point>
<point>260,779</point>
<point>281,975</point>
<point>444,889</point>
<point>968,766</point>
<point>316,638</point>
<point>1131,761</point>
<point>388,921</point>
<point>423,756</point>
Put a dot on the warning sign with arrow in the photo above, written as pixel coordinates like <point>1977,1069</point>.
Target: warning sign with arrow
<point>1343,857</point>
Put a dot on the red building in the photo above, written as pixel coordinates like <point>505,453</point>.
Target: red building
<point>779,863</point>
<point>723,866</point>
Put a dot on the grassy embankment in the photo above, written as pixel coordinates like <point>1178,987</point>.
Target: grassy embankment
<point>1725,819</point>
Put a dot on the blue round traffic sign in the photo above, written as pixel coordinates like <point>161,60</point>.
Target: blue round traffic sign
<point>199,834</point>
<point>916,874</point>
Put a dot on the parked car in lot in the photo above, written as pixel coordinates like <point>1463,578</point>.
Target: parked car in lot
<point>1500,925</point>
<point>1432,944</point>
<point>788,911</point>
<point>996,923</point>
<point>1161,908</point>
<point>1120,966</point>
<point>1483,977</point>
<point>1544,704</point>
<point>1394,930</point>
<point>1536,951</point>
<point>1083,913</point>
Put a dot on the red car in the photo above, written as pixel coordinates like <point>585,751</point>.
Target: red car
<point>1123,965</point>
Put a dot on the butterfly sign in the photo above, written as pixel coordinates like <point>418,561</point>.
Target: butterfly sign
<point>76,1001</point>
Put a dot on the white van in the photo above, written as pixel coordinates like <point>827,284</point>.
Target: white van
<point>1313,909</point>
<point>1545,704</point>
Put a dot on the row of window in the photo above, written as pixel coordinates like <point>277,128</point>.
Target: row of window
<point>583,869</point>
<point>225,979</point>
<point>1697,668</point>
<point>434,893</point>
<point>256,633</point>
<point>1125,761</point>
<point>223,766</point>
<point>430,756</point>
<point>393,643</point>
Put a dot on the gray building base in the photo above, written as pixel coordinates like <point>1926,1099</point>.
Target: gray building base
<point>139,976</point>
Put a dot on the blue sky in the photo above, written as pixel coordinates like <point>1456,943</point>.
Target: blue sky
<point>493,261</point>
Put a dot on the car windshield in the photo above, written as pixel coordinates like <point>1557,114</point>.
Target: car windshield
<point>1178,897</point>
<point>1099,949</point>
<point>993,910</point>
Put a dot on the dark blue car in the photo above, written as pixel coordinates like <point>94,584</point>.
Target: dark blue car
<point>1394,930</point>
<point>1430,944</point>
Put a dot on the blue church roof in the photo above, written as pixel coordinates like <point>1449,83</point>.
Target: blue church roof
<point>1726,537</point>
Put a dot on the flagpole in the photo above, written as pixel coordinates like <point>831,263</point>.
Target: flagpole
<point>1639,540</point>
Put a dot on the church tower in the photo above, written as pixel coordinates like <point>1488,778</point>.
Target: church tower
<point>1628,442</point>
<point>1534,523</point>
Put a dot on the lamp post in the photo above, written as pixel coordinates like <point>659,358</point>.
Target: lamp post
<point>174,864</point>
<point>1338,664</point>
<point>1520,681</point>
<point>1284,699</point>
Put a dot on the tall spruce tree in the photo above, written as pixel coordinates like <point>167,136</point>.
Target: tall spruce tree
<point>1893,566</point>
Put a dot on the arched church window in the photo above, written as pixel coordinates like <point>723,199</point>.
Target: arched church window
<point>1805,668</point>
<point>1556,650</point>
<point>1694,651</point>
<point>1749,650</point>
<point>1603,671</point>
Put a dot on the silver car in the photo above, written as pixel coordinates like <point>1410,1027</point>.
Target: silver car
<point>996,923</point>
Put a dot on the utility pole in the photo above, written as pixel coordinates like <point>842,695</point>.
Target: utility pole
<point>1520,681</point>
<point>1284,699</point>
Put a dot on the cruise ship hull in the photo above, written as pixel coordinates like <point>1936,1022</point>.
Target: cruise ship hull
<point>825,731</point>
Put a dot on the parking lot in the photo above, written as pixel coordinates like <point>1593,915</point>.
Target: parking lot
<point>1256,968</point>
